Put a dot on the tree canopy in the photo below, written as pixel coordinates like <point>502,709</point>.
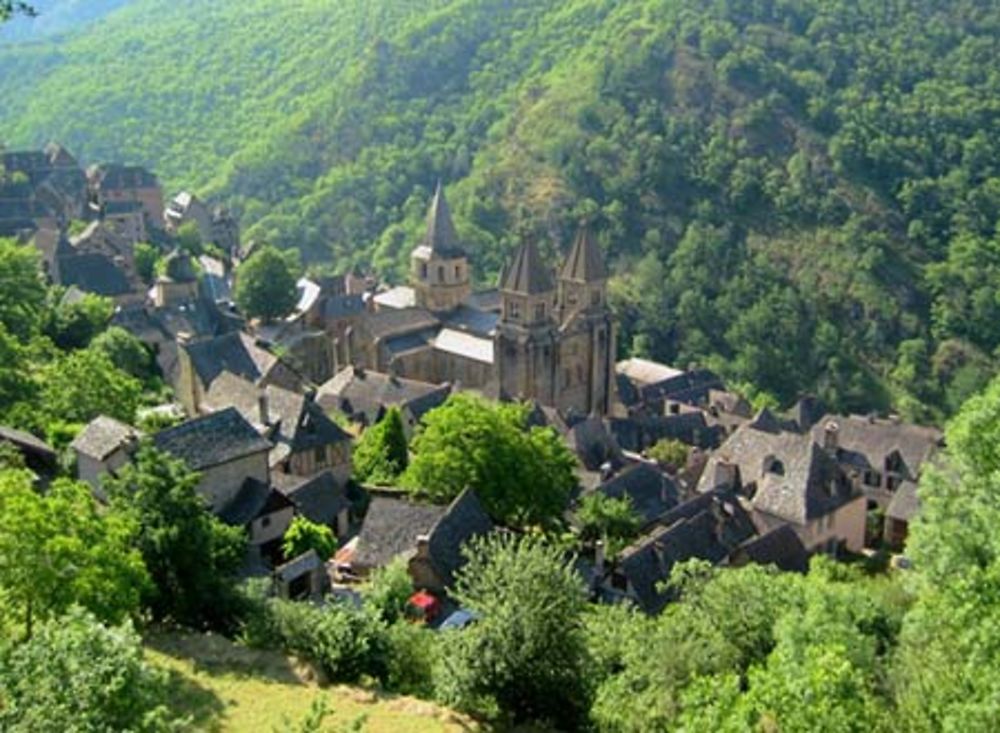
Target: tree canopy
<point>265,286</point>
<point>381,454</point>
<point>522,474</point>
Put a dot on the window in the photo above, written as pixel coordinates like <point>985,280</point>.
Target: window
<point>441,274</point>
<point>892,482</point>
<point>513,310</point>
<point>595,297</point>
<point>458,272</point>
<point>873,478</point>
<point>540,311</point>
<point>776,467</point>
<point>320,455</point>
<point>423,270</point>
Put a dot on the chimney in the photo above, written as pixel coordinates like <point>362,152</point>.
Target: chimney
<point>607,470</point>
<point>423,546</point>
<point>183,337</point>
<point>831,437</point>
<point>263,407</point>
<point>359,371</point>
<point>726,475</point>
<point>599,560</point>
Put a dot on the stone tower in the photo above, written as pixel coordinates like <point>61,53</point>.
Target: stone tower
<point>525,348</point>
<point>586,354</point>
<point>440,267</point>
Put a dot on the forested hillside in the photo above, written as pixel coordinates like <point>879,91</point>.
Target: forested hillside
<point>802,194</point>
<point>56,16</point>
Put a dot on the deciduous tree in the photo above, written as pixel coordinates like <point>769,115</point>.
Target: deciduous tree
<point>265,286</point>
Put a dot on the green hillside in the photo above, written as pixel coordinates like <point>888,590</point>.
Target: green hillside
<point>803,195</point>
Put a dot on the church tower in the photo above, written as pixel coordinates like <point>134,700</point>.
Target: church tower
<point>586,330</point>
<point>439,266</point>
<point>525,348</point>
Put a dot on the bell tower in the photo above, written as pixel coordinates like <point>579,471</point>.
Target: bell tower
<point>439,270</point>
<point>526,338</point>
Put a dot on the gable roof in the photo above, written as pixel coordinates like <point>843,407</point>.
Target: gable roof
<point>905,504</point>
<point>391,528</point>
<point>254,499</point>
<point>651,491</point>
<point>440,239</point>
<point>527,275</point>
<point>102,436</point>
<point>234,352</point>
<point>585,263</point>
<point>867,442</point>
<point>780,547</point>
<point>211,440</point>
<point>27,443</point>
<point>319,498</point>
<point>396,322</point>
<point>93,273</point>
<point>365,392</point>
<point>462,521</point>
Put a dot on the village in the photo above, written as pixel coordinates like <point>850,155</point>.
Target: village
<point>268,414</point>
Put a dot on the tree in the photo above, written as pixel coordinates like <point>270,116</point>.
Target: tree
<point>382,455</point>
<point>22,291</point>
<point>146,258</point>
<point>192,557</point>
<point>389,589</point>
<point>84,384</point>
<point>523,474</point>
<point>525,657</point>
<point>189,238</point>
<point>125,351</point>
<point>76,674</point>
<point>303,535</point>
<point>265,286</point>
<point>57,550</point>
<point>603,518</point>
<point>670,452</point>
<point>74,324</point>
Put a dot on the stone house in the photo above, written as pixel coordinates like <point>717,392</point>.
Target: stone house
<point>112,184</point>
<point>322,499</point>
<point>103,447</point>
<point>438,553</point>
<point>39,456</point>
<point>265,512</point>
<point>365,395</point>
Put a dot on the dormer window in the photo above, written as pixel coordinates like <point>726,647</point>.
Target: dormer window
<point>775,467</point>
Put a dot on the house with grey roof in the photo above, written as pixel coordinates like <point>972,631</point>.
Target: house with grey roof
<point>322,499</point>
<point>224,449</point>
<point>365,395</point>
<point>882,457</point>
<point>390,529</point>
<point>102,448</point>
<point>789,479</point>
<point>39,456</point>
<point>265,513</point>
<point>650,491</point>
<point>439,552</point>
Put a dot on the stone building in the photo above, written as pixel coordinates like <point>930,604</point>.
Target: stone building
<point>540,338</point>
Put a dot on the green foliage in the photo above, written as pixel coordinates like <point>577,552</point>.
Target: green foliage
<point>303,535</point>
<point>146,258</point>
<point>22,292</point>
<point>77,675</point>
<point>73,325</point>
<point>189,238</point>
<point>344,642</point>
<point>389,589</point>
<point>382,454</point>
<point>191,556</point>
<point>950,648</point>
<point>522,475</point>
<point>671,453</point>
<point>603,518</point>
<point>84,384</point>
<point>265,286</point>
<point>57,549</point>
<point>412,654</point>
<point>525,658</point>
<point>125,351</point>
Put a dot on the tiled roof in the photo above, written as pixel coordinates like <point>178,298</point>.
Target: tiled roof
<point>233,352</point>
<point>402,296</point>
<point>93,273</point>
<point>27,442</point>
<point>212,440</point>
<point>103,436</point>
<point>319,498</point>
<point>905,504</point>
<point>651,491</point>
<point>366,392</point>
<point>465,345</point>
<point>391,528</point>
<point>780,547</point>
<point>868,442</point>
<point>527,274</point>
<point>388,323</point>
<point>254,499</point>
<point>464,520</point>
<point>585,263</point>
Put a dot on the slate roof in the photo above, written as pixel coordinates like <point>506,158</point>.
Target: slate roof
<point>102,436</point>
<point>402,296</point>
<point>788,474</point>
<point>391,528</point>
<point>708,528</point>
<point>645,372</point>
<point>178,267</point>
<point>113,176</point>
<point>466,345</point>
<point>867,442</point>
<point>387,323</point>
<point>233,352</point>
<point>651,491</point>
<point>441,239</point>
<point>297,567</point>
<point>640,432</point>
<point>368,393</point>
<point>780,547</point>
<point>527,274</point>
<point>463,520</point>
<point>28,443</point>
<point>254,499</point>
<point>212,440</point>
<point>473,320</point>
<point>905,504</point>
<point>343,306</point>
<point>93,273</point>
<point>319,498</point>
<point>585,263</point>
<point>590,440</point>
<point>408,342</point>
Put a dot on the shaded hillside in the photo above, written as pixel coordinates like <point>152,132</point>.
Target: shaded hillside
<point>803,195</point>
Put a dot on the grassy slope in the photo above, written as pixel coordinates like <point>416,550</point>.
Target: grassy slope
<point>224,687</point>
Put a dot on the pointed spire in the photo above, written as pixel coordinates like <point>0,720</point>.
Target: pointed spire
<point>527,275</point>
<point>585,263</point>
<point>441,237</point>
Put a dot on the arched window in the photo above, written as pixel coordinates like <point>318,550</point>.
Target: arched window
<point>774,466</point>
<point>441,274</point>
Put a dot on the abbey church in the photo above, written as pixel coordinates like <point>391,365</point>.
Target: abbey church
<point>542,335</point>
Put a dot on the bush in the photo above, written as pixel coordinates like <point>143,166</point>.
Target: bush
<point>76,675</point>
<point>388,590</point>
<point>412,654</point>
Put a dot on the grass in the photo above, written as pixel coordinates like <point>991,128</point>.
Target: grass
<point>222,687</point>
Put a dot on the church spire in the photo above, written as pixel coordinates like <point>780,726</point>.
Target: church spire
<point>585,263</point>
<point>441,237</point>
<point>527,275</point>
